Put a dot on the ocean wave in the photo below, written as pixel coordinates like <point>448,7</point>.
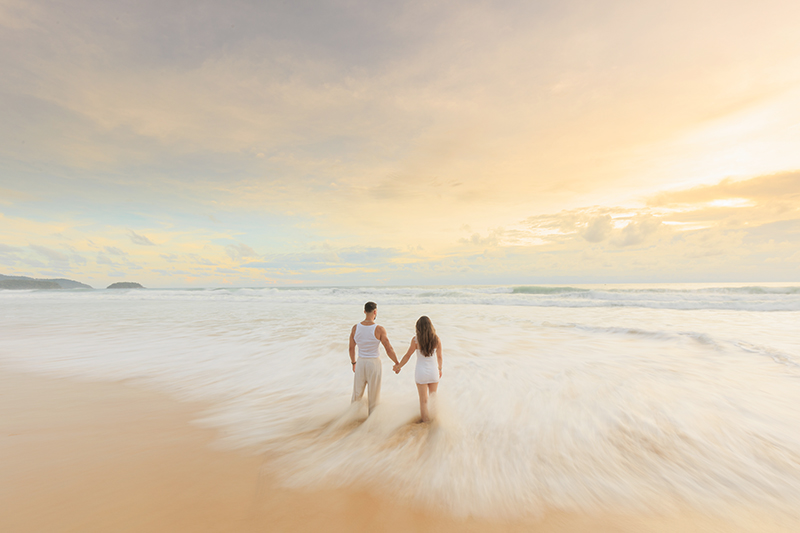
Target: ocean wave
<point>754,289</point>
<point>738,298</point>
<point>669,336</point>
<point>539,407</point>
<point>776,355</point>
<point>545,290</point>
<point>672,338</point>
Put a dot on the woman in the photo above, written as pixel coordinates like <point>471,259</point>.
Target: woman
<point>429,368</point>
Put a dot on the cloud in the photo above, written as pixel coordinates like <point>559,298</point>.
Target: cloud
<point>787,231</point>
<point>239,251</point>
<point>705,244</point>
<point>593,224</point>
<point>103,259</point>
<point>31,261</point>
<point>367,255</point>
<point>194,258</point>
<point>139,239</point>
<point>563,223</point>
<point>113,250</point>
<point>598,228</point>
<point>492,239</point>
<point>187,258</point>
<point>9,254</point>
<point>637,231</point>
<point>172,272</point>
<point>51,254</point>
<point>773,188</point>
<point>351,259</point>
<point>297,261</point>
<point>6,249</point>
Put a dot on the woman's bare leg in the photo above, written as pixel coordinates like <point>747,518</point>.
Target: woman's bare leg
<point>423,402</point>
<point>432,387</point>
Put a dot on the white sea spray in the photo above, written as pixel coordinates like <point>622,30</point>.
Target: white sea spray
<point>578,398</point>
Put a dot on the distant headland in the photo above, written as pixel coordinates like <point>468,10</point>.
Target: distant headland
<point>27,283</point>
<point>125,285</point>
<point>24,282</point>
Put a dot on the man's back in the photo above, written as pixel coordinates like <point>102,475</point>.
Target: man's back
<point>366,340</point>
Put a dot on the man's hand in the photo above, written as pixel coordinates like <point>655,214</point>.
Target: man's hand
<point>397,368</point>
<point>353,365</point>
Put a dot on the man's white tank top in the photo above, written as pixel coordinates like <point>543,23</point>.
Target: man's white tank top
<point>366,341</point>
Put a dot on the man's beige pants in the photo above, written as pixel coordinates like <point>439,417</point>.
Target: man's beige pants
<point>368,374</point>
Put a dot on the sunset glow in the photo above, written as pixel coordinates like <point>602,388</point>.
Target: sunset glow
<point>400,143</point>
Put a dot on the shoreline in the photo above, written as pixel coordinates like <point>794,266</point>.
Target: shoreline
<point>92,456</point>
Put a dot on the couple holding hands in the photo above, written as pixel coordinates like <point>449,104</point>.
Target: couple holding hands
<point>368,336</point>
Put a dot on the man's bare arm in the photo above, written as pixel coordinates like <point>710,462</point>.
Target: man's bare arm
<point>353,348</point>
<point>384,338</point>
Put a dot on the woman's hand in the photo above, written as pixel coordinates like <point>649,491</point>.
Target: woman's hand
<point>440,373</point>
<point>397,368</point>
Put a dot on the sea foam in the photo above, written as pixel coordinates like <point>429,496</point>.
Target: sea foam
<point>677,397</point>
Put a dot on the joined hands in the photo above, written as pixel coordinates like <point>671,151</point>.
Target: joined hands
<point>396,368</point>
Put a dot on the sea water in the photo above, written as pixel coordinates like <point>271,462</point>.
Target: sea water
<point>628,397</point>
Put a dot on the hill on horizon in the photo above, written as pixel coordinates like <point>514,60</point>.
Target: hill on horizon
<point>125,285</point>
<point>26,282</point>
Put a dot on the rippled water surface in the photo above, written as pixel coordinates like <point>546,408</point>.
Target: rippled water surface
<point>640,397</point>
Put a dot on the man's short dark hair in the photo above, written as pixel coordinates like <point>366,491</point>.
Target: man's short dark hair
<point>370,307</point>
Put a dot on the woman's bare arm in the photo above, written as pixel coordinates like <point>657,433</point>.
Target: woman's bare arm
<point>439,356</point>
<point>411,349</point>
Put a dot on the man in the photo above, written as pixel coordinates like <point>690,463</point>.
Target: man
<point>368,336</point>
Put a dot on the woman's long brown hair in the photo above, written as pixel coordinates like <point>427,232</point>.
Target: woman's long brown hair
<point>426,336</point>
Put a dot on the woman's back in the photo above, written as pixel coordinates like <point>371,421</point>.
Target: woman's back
<point>427,367</point>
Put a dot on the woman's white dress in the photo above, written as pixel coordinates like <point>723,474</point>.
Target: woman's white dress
<point>427,369</point>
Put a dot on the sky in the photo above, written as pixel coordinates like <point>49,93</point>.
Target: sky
<point>213,144</point>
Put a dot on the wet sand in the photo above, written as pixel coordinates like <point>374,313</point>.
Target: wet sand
<point>100,457</point>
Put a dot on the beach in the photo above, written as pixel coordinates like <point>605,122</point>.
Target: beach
<point>101,457</point>
<point>560,409</point>
<point>116,457</point>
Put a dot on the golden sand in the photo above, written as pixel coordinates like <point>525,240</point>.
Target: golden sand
<point>115,457</point>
